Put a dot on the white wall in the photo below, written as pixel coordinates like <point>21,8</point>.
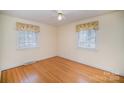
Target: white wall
<point>109,54</point>
<point>11,56</point>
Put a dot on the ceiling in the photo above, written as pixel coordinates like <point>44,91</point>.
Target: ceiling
<point>50,16</point>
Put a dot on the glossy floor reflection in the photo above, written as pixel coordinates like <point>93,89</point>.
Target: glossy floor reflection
<point>58,70</point>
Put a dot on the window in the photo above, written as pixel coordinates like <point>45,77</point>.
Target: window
<point>87,34</point>
<point>27,39</point>
<point>87,38</point>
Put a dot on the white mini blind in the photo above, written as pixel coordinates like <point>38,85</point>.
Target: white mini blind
<point>87,39</point>
<point>27,39</point>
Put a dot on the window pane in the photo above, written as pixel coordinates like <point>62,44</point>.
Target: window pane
<point>27,39</point>
<point>86,39</point>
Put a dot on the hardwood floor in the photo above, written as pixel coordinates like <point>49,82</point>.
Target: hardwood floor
<point>57,70</point>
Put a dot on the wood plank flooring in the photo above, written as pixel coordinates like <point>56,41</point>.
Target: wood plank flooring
<point>57,70</point>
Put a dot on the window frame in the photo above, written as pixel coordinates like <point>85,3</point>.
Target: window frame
<point>87,47</point>
<point>17,40</point>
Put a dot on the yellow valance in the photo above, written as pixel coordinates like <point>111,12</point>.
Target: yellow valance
<point>27,27</point>
<point>86,26</point>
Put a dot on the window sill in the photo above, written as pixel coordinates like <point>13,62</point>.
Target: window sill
<point>89,49</point>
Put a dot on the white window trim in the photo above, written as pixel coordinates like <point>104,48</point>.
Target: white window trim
<point>17,42</point>
<point>79,47</point>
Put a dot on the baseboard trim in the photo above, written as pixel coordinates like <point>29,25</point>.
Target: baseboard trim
<point>20,65</point>
<point>65,59</point>
<point>91,66</point>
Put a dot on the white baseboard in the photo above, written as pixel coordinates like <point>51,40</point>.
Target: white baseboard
<point>23,63</point>
<point>95,66</point>
<point>99,67</point>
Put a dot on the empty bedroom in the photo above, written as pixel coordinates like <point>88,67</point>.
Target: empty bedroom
<point>61,46</point>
